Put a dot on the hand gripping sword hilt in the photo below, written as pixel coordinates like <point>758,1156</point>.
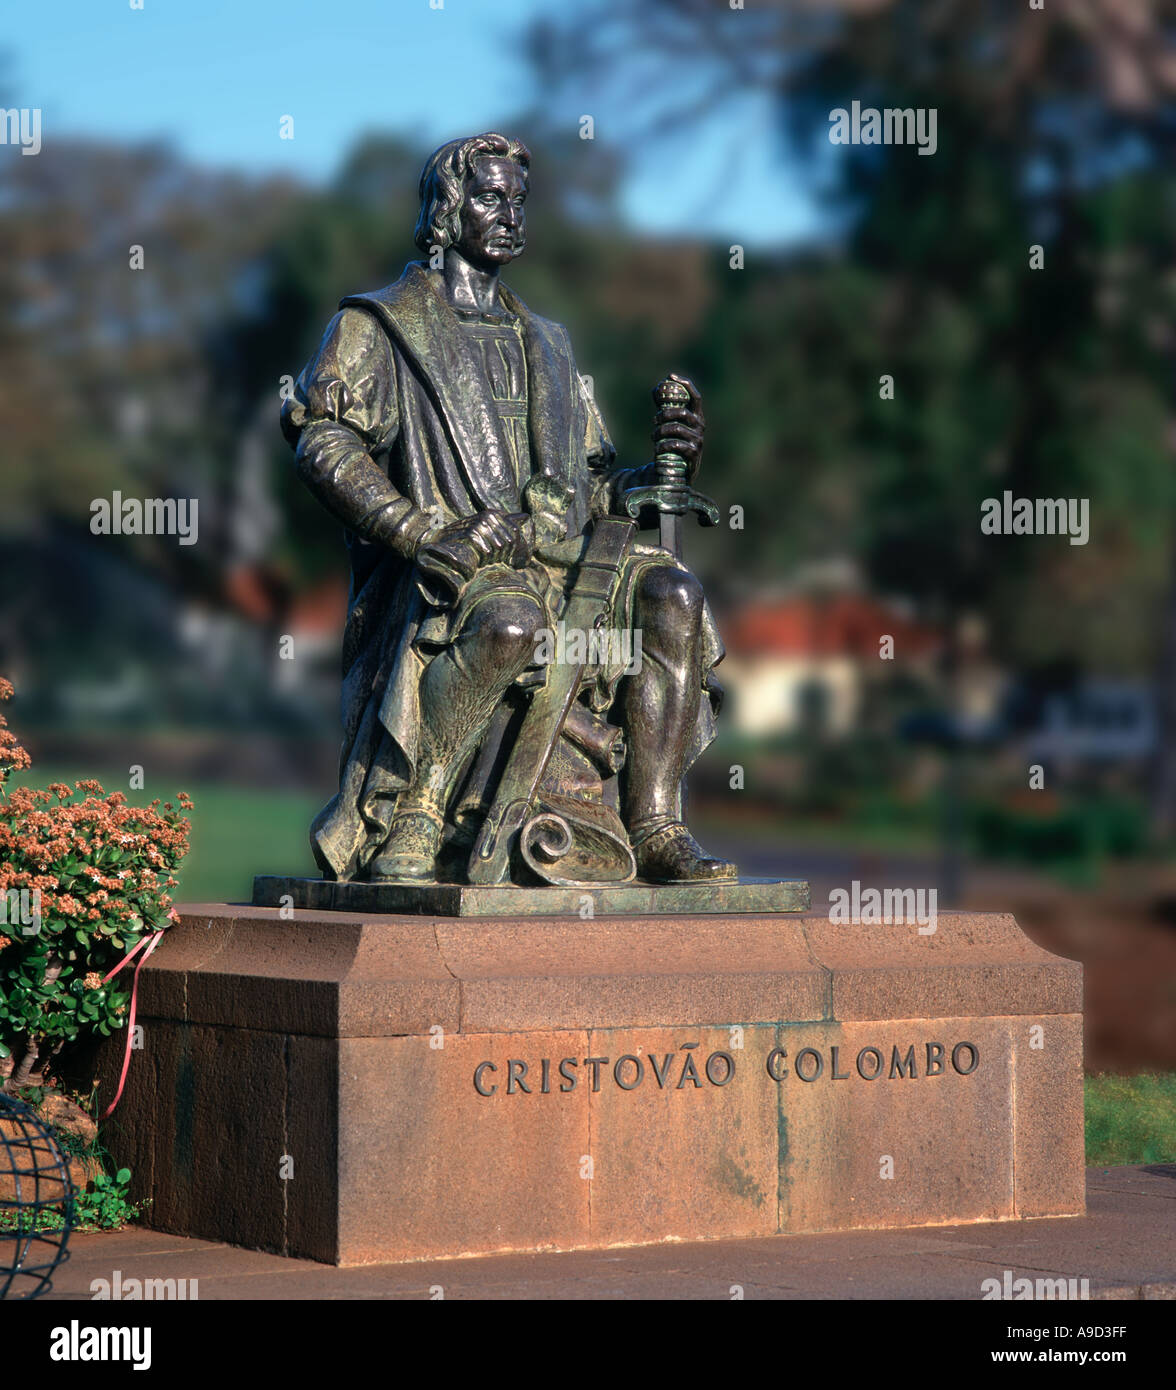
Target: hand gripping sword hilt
<point>669,492</point>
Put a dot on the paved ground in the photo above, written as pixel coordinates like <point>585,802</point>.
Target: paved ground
<point>1125,1246</point>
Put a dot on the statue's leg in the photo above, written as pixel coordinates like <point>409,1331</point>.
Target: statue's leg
<point>659,706</point>
<point>459,691</point>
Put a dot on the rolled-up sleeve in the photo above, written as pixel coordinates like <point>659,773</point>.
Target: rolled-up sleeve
<point>342,411</point>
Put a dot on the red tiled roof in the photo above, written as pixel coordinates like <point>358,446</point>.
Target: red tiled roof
<point>322,609</point>
<point>253,592</point>
<point>247,593</point>
<point>848,625</point>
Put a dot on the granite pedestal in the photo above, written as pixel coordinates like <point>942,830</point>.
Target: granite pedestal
<point>357,1088</point>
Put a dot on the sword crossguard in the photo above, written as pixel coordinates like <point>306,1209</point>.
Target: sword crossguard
<point>672,498</point>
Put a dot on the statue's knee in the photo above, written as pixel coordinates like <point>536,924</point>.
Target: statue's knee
<point>669,597</point>
<point>509,627</point>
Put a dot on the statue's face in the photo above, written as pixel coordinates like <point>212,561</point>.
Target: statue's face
<point>493,214</point>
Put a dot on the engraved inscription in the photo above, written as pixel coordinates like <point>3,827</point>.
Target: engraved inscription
<point>678,1070</point>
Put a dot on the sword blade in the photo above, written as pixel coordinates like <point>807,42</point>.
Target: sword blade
<point>670,533</point>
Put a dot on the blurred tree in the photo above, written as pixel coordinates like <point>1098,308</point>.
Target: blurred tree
<point>105,385</point>
<point>1054,129</point>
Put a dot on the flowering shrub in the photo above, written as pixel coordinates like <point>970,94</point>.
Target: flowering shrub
<point>83,877</point>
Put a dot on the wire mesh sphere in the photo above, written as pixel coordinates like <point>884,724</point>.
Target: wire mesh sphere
<point>36,1195</point>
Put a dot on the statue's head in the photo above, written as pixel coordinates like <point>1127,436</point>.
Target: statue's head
<point>473,194</point>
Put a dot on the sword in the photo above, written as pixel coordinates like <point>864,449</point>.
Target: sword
<point>597,579</point>
<point>669,492</point>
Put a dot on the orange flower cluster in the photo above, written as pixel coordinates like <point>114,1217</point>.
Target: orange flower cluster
<point>101,871</point>
<point>95,859</point>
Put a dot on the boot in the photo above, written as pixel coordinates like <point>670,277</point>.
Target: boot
<point>410,852</point>
<point>668,853</point>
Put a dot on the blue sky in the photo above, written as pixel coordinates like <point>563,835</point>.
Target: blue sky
<point>214,78</point>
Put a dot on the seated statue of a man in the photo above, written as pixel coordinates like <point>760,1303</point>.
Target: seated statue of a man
<point>446,427</point>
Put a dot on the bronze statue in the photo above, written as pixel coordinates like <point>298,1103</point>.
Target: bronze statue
<point>524,683</point>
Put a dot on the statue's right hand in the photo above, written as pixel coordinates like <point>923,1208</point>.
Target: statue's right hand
<point>489,532</point>
<point>449,558</point>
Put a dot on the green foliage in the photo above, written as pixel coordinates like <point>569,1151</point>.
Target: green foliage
<point>1131,1119</point>
<point>1081,832</point>
<point>25,1222</point>
<point>104,1208</point>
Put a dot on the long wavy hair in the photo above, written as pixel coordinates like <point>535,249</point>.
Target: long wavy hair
<point>443,182</point>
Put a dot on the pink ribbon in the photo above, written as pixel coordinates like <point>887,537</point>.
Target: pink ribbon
<point>150,942</point>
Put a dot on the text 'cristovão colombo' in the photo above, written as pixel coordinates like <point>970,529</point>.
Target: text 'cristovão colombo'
<point>675,1071</point>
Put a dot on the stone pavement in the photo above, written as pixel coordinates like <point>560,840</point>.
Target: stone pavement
<point>1125,1246</point>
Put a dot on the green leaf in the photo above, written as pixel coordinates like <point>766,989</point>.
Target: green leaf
<point>123,1175</point>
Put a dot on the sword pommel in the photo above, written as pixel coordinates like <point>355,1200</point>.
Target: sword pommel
<point>670,393</point>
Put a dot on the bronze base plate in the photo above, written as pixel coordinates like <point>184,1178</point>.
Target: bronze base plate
<point>758,895</point>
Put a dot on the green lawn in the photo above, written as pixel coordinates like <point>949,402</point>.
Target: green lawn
<point>1131,1119</point>
<point>236,834</point>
